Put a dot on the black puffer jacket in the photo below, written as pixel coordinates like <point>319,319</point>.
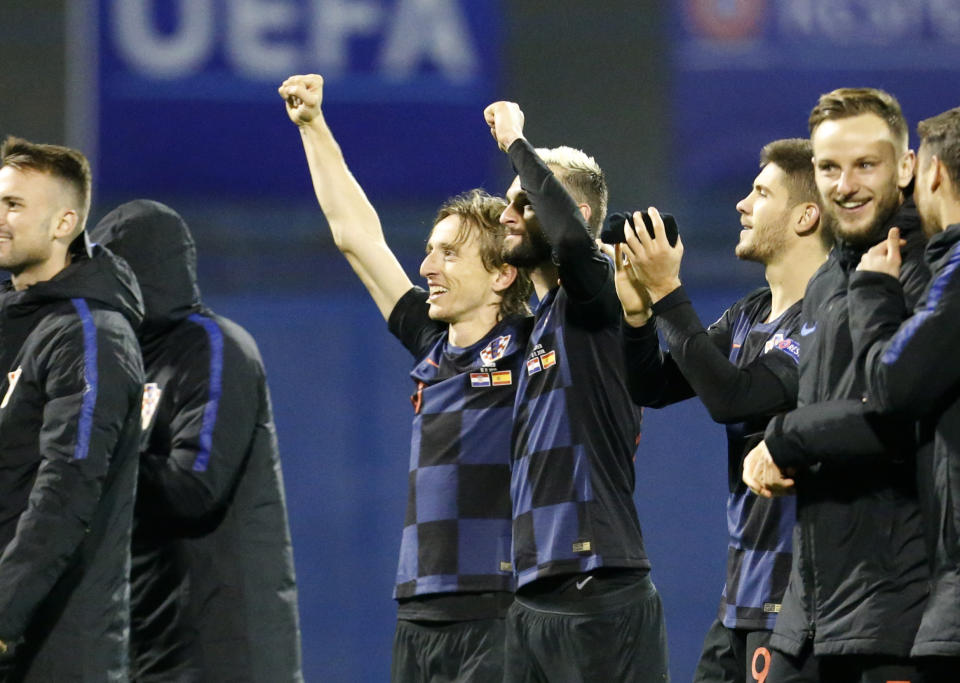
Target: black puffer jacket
<point>213,590</point>
<point>69,430</point>
<point>859,576</point>
<point>913,369</point>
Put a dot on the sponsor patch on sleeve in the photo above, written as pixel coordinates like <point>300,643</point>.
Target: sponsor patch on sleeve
<point>790,347</point>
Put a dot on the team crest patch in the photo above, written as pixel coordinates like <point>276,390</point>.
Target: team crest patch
<point>148,407</point>
<point>494,350</point>
<point>12,379</point>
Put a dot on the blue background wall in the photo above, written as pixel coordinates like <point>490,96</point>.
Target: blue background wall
<point>176,100</point>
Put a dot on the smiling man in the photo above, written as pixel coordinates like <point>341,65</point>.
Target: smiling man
<point>744,369</point>
<point>586,608</point>
<point>467,332</point>
<point>859,577</point>
<point>72,384</point>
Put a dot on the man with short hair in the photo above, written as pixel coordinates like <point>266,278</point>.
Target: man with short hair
<point>744,368</point>
<point>911,369</point>
<point>585,607</point>
<point>213,595</point>
<point>69,426</point>
<point>467,332</point>
<point>859,575</point>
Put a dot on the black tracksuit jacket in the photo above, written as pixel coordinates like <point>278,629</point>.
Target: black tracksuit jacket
<point>859,576</point>
<point>213,591</point>
<point>69,431</point>
<point>912,368</point>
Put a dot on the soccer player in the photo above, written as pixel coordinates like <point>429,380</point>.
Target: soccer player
<point>744,368</point>
<point>859,576</point>
<point>468,332</point>
<point>69,426</point>
<point>213,594</point>
<point>910,370</point>
<point>585,607</point>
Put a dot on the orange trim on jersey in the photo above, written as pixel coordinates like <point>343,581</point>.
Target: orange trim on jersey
<point>417,398</point>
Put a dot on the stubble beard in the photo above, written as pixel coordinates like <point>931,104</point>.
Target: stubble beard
<point>859,238</point>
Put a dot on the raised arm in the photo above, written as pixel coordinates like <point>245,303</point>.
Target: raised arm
<point>353,221</point>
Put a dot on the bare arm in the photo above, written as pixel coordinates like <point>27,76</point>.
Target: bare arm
<point>353,220</point>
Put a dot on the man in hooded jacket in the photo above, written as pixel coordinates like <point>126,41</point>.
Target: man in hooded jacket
<point>213,593</point>
<point>69,426</point>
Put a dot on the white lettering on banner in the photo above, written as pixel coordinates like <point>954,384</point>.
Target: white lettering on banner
<point>869,22</point>
<point>163,55</point>
<point>257,36</point>
<point>248,47</point>
<point>429,28</point>
<point>334,23</point>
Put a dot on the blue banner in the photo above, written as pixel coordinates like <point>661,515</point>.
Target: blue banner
<point>749,71</point>
<point>186,97</point>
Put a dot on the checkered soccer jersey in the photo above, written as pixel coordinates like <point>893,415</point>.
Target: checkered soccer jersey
<point>759,551</point>
<point>456,536</point>
<point>575,433</point>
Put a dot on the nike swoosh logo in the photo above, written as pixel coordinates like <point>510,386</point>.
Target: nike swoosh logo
<point>807,329</point>
<point>581,584</point>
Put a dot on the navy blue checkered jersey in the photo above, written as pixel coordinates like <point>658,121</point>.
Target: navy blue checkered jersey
<point>575,434</point>
<point>760,529</point>
<point>456,535</point>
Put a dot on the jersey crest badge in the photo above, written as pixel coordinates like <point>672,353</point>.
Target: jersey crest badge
<point>494,350</point>
<point>12,379</point>
<point>148,407</point>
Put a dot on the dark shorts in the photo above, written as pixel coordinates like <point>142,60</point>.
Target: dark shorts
<point>809,668</point>
<point>616,636</point>
<point>435,652</point>
<point>734,655</point>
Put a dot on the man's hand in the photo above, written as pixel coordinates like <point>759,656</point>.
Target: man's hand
<point>885,256</point>
<point>761,474</point>
<point>633,295</point>
<point>302,95</point>
<point>654,262</point>
<point>506,122</point>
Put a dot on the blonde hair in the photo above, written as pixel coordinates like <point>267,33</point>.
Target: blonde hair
<point>583,178</point>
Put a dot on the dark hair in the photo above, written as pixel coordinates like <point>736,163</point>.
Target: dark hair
<point>795,157</point>
<point>940,135</point>
<point>844,103</point>
<point>479,215</point>
<point>64,163</point>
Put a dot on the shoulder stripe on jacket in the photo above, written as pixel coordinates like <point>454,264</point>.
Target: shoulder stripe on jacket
<point>89,377</point>
<point>933,298</point>
<point>216,385</point>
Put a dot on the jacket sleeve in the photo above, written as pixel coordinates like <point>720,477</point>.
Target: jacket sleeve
<point>838,433</point>
<point>92,380</point>
<point>910,362</point>
<point>585,273</point>
<point>215,404</point>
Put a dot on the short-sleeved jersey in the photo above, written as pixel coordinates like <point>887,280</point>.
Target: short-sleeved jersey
<point>575,433</point>
<point>456,535</point>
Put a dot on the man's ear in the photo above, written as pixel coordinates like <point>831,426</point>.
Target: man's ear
<point>938,174</point>
<point>906,168</point>
<point>66,224</point>
<point>585,210</point>
<point>506,276</point>
<point>808,219</point>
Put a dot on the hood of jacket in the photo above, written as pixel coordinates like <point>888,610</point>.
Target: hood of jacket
<point>157,244</point>
<point>94,273</point>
